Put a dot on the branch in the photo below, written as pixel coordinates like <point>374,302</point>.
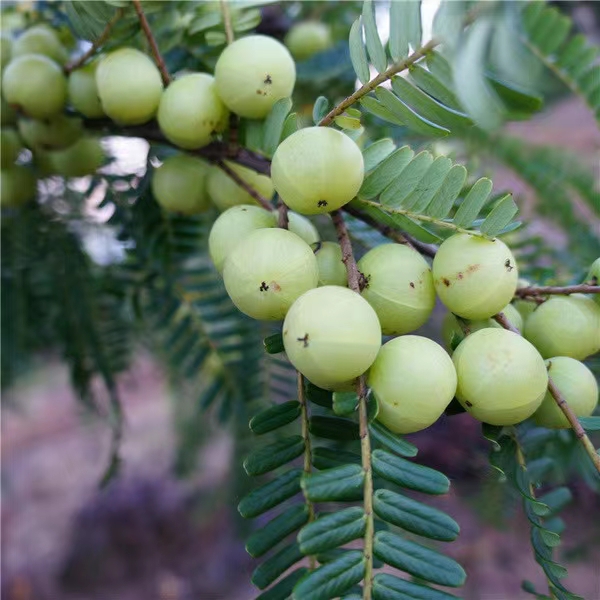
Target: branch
<point>243,184</point>
<point>502,320</point>
<point>226,21</point>
<point>158,59</point>
<point>283,220</point>
<point>347,254</point>
<point>533,291</point>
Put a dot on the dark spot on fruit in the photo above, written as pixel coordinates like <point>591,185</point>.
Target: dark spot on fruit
<point>460,275</point>
<point>322,203</point>
<point>363,281</point>
<point>268,79</point>
<point>304,340</point>
<point>473,268</point>
<point>263,287</point>
<point>508,265</point>
<point>446,282</point>
<point>276,287</point>
<point>244,210</point>
<point>468,404</point>
<point>412,285</point>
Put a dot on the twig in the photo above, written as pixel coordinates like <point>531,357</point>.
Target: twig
<point>533,291</point>
<point>347,254</point>
<point>283,220</point>
<point>244,185</point>
<point>226,21</point>
<point>502,320</point>
<point>158,59</point>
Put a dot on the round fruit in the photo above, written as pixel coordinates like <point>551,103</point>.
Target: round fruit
<point>232,226</point>
<point>474,277</point>
<point>303,227</point>
<point>10,147</point>
<point>253,73</point>
<point>307,38</point>
<point>83,158</point>
<point>53,134</point>
<point>317,170</point>
<point>8,115</point>
<point>36,85</point>
<point>414,380</point>
<point>191,112</point>
<point>83,91</point>
<point>129,86</point>
<point>502,379</point>
<point>594,275</point>
<point>332,270</point>
<point>331,335</point>
<point>5,50</point>
<point>18,184</point>
<point>225,192</point>
<point>399,286</point>
<point>578,387</point>
<point>565,326</point>
<point>267,271</point>
<point>40,39</point>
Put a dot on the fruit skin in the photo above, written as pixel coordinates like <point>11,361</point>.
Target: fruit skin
<point>18,186</point>
<point>5,50</point>
<point>303,227</point>
<point>129,86</point>
<point>225,192</point>
<point>190,111</point>
<point>8,115</point>
<point>55,134</point>
<point>414,380</point>
<point>180,184</point>
<point>83,91</point>
<point>565,326</point>
<point>36,85</point>
<point>594,275</point>
<point>332,270</point>
<point>475,278</point>
<point>40,39</point>
<point>317,170</point>
<point>83,158</point>
<point>232,226</point>
<point>253,73</point>
<point>331,335</point>
<point>502,379</point>
<point>11,145</point>
<point>399,286</point>
<point>267,271</point>
<point>307,38</point>
<point>577,386</point>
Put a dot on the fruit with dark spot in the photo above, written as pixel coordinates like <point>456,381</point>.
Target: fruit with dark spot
<point>332,270</point>
<point>225,192</point>
<point>18,185</point>
<point>307,38</point>
<point>594,276</point>
<point>83,91</point>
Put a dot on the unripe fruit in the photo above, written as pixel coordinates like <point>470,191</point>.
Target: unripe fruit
<point>302,227</point>
<point>474,277</point>
<point>5,50</point>
<point>502,379</point>
<point>129,86</point>
<point>54,134</point>
<point>565,326</point>
<point>414,380</point>
<point>253,73</point>
<point>83,158</point>
<point>180,184</point>
<point>398,286</point>
<point>11,145</point>
<point>317,170</point>
<point>225,192</point>
<point>8,115</point>
<point>191,112</point>
<point>18,184</point>
<point>267,271</point>
<point>83,91</point>
<point>40,39</point>
<point>232,226</point>
<point>331,335</point>
<point>594,275</point>
<point>578,387</point>
<point>307,38</point>
<point>332,270</point>
<point>36,85</point>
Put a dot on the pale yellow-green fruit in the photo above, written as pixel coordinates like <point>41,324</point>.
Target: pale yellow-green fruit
<point>232,226</point>
<point>36,85</point>
<point>191,112</point>
<point>502,378</point>
<point>180,184</point>
<point>301,226</point>
<point>331,335</point>
<point>399,286</point>
<point>475,278</point>
<point>40,39</point>
<point>577,386</point>
<point>129,86</point>
<point>18,185</point>
<point>10,147</point>
<point>8,115</point>
<point>267,271</point>
<point>5,49</point>
<point>414,380</point>
<point>253,73</point>
<point>53,134</point>
<point>307,38</point>
<point>82,158</point>
<point>225,192</point>
<point>317,170</point>
<point>83,91</point>
<point>332,270</point>
<point>594,275</point>
<point>565,326</point>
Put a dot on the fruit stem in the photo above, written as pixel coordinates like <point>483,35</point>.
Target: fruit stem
<point>226,21</point>
<point>283,220</point>
<point>533,291</point>
<point>258,197</point>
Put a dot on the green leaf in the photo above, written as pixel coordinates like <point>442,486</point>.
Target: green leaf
<point>339,483</point>
<point>266,573</point>
<point>407,474</point>
<point>333,428</point>
<point>344,403</point>
<point>290,126</point>
<point>319,396</point>
<point>443,201</point>
<point>516,100</point>
<point>333,530</point>
<point>418,560</point>
<point>274,344</point>
<point>389,587</point>
<point>327,458</point>
<point>274,455</point>
<point>434,88</point>
<point>374,45</point>
<point>405,28</point>
<point>275,417</point>
<point>376,108</point>
<point>377,152</point>
<point>273,127</point>
<point>283,588</point>
<point>358,54</point>
<point>345,122</point>
<point>385,172</point>
<point>431,182</point>
<point>473,203</point>
<point>391,441</point>
<point>500,216</point>
<point>538,469</point>
<point>395,193</point>
<point>271,494</point>
<point>590,424</point>
<point>320,108</point>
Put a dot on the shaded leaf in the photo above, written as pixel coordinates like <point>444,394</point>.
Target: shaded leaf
<point>333,530</point>
<point>275,417</point>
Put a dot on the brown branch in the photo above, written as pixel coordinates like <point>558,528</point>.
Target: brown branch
<point>502,320</point>
<point>226,21</point>
<point>347,254</point>
<point>158,59</point>
<point>244,185</point>
<point>533,291</point>
<point>283,220</point>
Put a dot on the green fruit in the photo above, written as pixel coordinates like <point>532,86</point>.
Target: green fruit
<point>578,387</point>
<point>253,73</point>
<point>54,134</point>
<point>502,379</point>
<point>331,335</point>
<point>307,38</point>
<point>83,158</point>
<point>191,112</point>
<point>36,85</point>
<point>83,91</point>
<point>317,170</point>
<point>414,380</point>
<point>18,185</point>
<point>225,192</point>
<point>180,184</point>
<point>303,227</point>
<point>8,115</point>
<point>475,278</point>
<point>332,270</point>
<point>129,86</point>
<point>10,148</point>
<point>594,275</point>
<point>267,271</point>
<point>232,226</point>
<point>40,39</point>
<point>5,50</point>
<point>398,286</point>
<point>565,326</point>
